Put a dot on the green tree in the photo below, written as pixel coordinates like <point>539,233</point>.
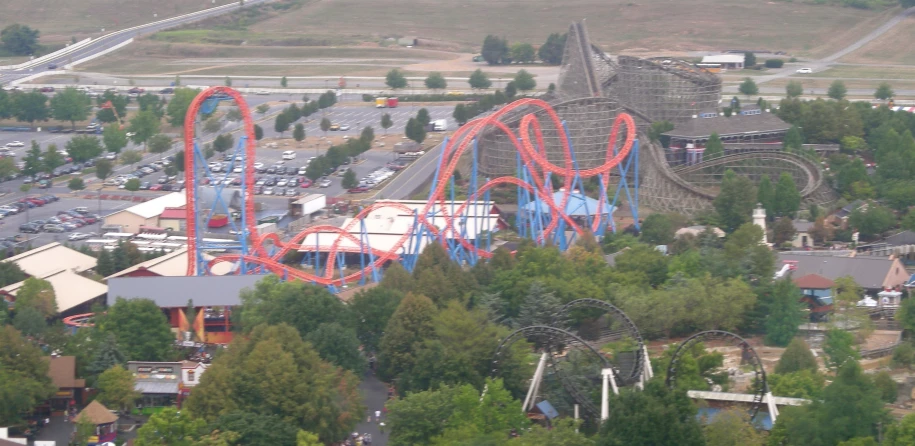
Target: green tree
<point>794,141</point>
<point>349,179</point>
<point>749,59</point>
<point>6,105</point>
<point>30,322</point>
<point>732,427</point>
<point>887,386</point>
<point>170,427</point>
<point>116,389</point>
<point>435,81</point>
<point>416,418</point>
<point>562,432</point>
<point>765,195</point>
<point>510,89</point>
<point>460,114</point>
<point>735,201</point>
<point>801,384</point>
<point>901,433</point>
<point>837,90</point>
<point>273,371</point>
<point>415,130</point>
<point>482,419</point>
<point>107,354</point>
<point>495,50</point>
<point>140,329</point>
<point>256,428</point>
<point>787,197</point>
<point>118,104</point>
<point>423,116</point>
<point>31,107</point>
<point>262,109</point>
<point>793,89</point>
<point>32,160</point>
<point>900,195</point>
<point>302,306</point>
<point>298,132</point>
<point>76,184</point>
<point>337,345</point>
<point>796,357</point>
<point>114,138</point>
<point>551,51</point>
<point>538,307</point>
<point>24,380</point>
<point>646,260</point>
<point>840,348</point>
<point>872,221</point>
<point>657,229</point>
<point>386,122</point>
<point>85,429</point>
<point>367,135</point>
<point>281,124</point>
<point>258,132</point>
<point>325,125</point>
<point>713,148</point>
<point>748,87</point>
<point>8,168</point>
<point>20,40</point>
<point>479,80</point>
<point>52,159</point>
<point>160,143</point>
<point>850,407</point>
<point>283,82</point>
<point>884,91</point>
<point>524,81</point>
<point>178,106</point>
<point>223,142</point>
<point>410,324</point>
<point>10,273</point>
<point>143,126</point>
<point>395,79</point>
<point>372,309</point>
<point>654,416</point>
<point>71,105</point>
<point>38,294</point>
<point>83,148</point>
<point>152,102</point>
<point>523,53</point>
<point>129,157</point>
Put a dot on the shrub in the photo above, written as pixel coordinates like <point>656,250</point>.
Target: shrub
<point>774,63</point>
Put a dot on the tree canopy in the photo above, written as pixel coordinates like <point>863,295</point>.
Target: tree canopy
<point>140,329</point>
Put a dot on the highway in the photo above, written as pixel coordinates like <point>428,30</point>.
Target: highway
<point>115,38</point>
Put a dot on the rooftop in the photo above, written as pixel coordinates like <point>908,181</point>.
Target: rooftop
<point>736,125</point>
<point>97,414</point>
<point>173,292</point>
<point>814,282</point>
<point>868,272</point>
<point>70,289</point>
<point>724,58</point>
<point>62,370</point>
<point>171,264</point>
<point>51,258</point>
<point>156,206</point>
<point>178,213</point>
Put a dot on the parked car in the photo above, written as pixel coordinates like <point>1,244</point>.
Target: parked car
<point>306,183</point>
<point>15,144</point>
<point>324,183</point>
<point>168,90</point>
<point>53,228</point>
<point>290,192</point>
<point>358,189</point>
<point>78,236</point>
<point>804,70</point>
<point>29,228</point>
<point>47,89</point>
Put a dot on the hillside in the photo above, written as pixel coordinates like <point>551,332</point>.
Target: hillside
<point>59,20</point>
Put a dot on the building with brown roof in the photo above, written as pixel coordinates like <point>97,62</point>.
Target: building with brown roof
<point>817,292</point>
<point>70,389</point>
<point>750,126</point>
<point>106,422</point>
<point>874,274</point>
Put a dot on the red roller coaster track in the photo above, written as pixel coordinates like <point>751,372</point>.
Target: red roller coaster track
<point>528,141</point>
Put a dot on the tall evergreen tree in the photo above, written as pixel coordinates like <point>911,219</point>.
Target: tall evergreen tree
<point>786,313</point>
<point>714,148</point>
<point>105,266</point>
<point>735,201</point>
<point>409,326</point>
<point>795,358</point>
<point>765,195</point>
<point>793,140</point>
<point>107,355</point>
<point>787,198</point>
<point>538,308</point>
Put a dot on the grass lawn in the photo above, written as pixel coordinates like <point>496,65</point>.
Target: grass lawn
<point>798,27</point>
<point>864,72</point>
<point>894,47</point>
<point>850,84</point>
<point>59,20</point>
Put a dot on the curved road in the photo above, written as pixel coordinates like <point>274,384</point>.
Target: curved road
<point>108,40</point>
<point>825,63</point>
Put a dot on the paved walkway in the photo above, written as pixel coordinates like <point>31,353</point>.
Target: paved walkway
<point>375,393</point>
<point>57,430</point>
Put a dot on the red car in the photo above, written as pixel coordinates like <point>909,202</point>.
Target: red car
<point>155,187</point>
<point>358,189</point>
<point>306,183</point>
<point>47,89</point>
<point>136,90</point>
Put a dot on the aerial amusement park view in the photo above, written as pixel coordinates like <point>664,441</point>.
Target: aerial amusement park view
<point>594,241</point>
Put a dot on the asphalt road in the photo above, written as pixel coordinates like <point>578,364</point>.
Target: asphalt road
<point>109,40</point>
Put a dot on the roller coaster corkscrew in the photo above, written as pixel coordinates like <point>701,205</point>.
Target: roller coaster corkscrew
<point>542,217</point>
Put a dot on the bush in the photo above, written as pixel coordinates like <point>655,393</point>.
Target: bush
<point>904,355</point>
<point>774,63</point>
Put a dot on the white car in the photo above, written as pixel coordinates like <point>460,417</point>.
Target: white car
<point>344,127</point>
<point>263,92</point>
<point>111,156</point>
<point>236,169</point>
<point>289,155</point>
<point>804,70</point>
<point>282,182</point>
<point>325,183</point>
<point>78,236</point>
<point>15,144</point>
<point>130,134</point>
<point>258,165</point>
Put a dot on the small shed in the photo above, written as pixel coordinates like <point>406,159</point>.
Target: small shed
<point>106,423</point>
